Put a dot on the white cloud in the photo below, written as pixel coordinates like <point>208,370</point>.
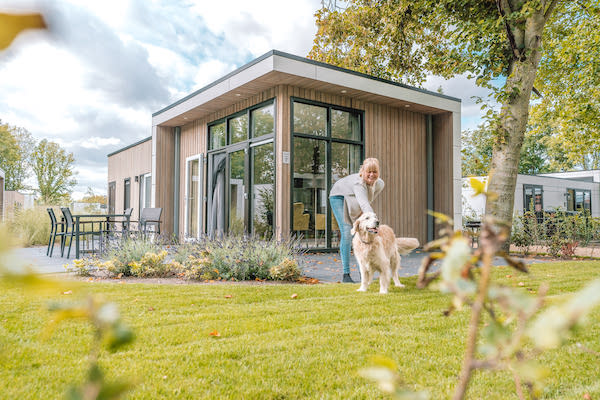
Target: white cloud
<point>262,25</point>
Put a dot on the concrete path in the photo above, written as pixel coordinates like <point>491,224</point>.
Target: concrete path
<point>326,267</point>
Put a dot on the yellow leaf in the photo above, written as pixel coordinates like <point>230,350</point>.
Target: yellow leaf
<point>477,185</point>
<point>13,24</point>
<point>228,296</point>
<point>215,333</point>
<point>295,295</point>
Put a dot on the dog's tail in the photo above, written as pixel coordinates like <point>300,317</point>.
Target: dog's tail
<point>406,245</point>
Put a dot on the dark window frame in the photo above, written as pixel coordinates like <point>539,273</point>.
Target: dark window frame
<point>584,191</point>
<point>328,140</point>
<point>246,144</point>
<point>533,187</point>
<point>126,193</point>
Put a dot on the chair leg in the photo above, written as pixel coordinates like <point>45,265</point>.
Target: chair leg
<point>51,244</point>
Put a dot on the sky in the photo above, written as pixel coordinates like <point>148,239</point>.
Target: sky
<point>92,81</point>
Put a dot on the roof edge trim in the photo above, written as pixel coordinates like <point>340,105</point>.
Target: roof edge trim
<point>130,146</point>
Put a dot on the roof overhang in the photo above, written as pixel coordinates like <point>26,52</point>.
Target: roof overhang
<point>277,68</point>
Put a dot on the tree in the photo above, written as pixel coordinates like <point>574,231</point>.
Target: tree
<point>92,197</point>
<point>406,40</point>
<point>569,78</point>
<point>15,148</point>
<point>477,149</point>
<point>53,168</point>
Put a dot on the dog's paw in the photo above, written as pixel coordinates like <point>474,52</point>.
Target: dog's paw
<point>381,291</point>
<point>361,289</point>
<point>399,285</point>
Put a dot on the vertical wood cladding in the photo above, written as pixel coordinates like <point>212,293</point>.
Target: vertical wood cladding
<point>165,152</point>
<point>442,165</point>
<point>397,137</point>
<point>129,163</point>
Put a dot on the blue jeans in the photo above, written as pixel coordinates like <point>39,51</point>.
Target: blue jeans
<point>337,207</point>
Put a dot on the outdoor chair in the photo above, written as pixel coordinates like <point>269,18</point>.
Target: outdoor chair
<point>54,232</point>
<point>71,231</point>
<point>149,221</point>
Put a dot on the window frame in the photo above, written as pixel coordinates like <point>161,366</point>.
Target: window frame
<point>329,139</point>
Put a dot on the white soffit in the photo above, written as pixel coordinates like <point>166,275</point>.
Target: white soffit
<point>296,66</point>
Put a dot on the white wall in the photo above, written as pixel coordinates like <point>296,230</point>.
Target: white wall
<point>554,194</point>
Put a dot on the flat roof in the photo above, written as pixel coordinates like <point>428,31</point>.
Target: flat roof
<point>276,67</point>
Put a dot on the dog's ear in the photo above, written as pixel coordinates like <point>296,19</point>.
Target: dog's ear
<point>355,227</point>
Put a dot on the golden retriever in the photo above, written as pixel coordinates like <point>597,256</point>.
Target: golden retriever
<point>377,249</point>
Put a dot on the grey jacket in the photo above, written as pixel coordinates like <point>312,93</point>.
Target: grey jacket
<point>357,195</point>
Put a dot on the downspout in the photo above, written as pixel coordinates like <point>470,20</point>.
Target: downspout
<point>177,132</point>
<point>429,147</point>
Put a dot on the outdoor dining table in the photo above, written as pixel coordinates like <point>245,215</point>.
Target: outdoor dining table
<point>77,220</point>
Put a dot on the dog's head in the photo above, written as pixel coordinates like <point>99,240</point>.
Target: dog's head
<point>367,223</point>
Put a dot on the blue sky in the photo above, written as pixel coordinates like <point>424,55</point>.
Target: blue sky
<point>92,82</point>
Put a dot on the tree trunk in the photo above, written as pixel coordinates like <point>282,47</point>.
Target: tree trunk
<point>512,122</point>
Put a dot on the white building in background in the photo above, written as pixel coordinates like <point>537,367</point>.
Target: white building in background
<point>570,191</point>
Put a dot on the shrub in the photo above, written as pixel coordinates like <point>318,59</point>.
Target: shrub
<point>234,258</point>
<point>123,255</point>
<point>287,270</point>
<point>30,226</point>
<point>151,265</point>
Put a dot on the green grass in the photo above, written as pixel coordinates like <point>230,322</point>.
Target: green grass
<point>276,347</point>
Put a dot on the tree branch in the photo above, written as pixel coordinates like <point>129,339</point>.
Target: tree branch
<point>509,33</point>
<point>550,9</point>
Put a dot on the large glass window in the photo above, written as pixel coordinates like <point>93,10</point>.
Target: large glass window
<point>579,200</point>
<point>327,145</point>
<point>345,125</point>
<point>310,119</point>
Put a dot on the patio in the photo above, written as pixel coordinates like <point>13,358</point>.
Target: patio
<point>325,267</point>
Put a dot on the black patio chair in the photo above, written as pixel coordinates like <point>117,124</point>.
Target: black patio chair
<point>55,232</point>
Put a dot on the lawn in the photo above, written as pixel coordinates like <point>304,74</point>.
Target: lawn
<point>274,346</point>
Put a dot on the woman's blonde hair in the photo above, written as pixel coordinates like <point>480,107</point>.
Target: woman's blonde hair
<point>368,164</point>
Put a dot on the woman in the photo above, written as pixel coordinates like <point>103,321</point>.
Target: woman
<point>349,198</point>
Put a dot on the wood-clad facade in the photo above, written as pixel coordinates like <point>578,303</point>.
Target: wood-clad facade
<point>412,132</point>
<point>129,165</point>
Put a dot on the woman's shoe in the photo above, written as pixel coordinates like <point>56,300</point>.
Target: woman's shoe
<point>347,279</point>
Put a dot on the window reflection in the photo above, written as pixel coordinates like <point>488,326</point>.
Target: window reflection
<point>309,119</point>
<point>263,121</point>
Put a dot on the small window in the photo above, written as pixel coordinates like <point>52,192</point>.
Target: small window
<point>238,128</point>
<point>217,136</point>
<point>309,119</point>
<point>533,198</point>
<point>579,200</point>
<point>127,193</point>
<point>263,121</point>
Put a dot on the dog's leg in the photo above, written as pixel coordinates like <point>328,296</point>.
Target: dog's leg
<point>363,276</point>
<point>395,263</point>
<point>384,280</point>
